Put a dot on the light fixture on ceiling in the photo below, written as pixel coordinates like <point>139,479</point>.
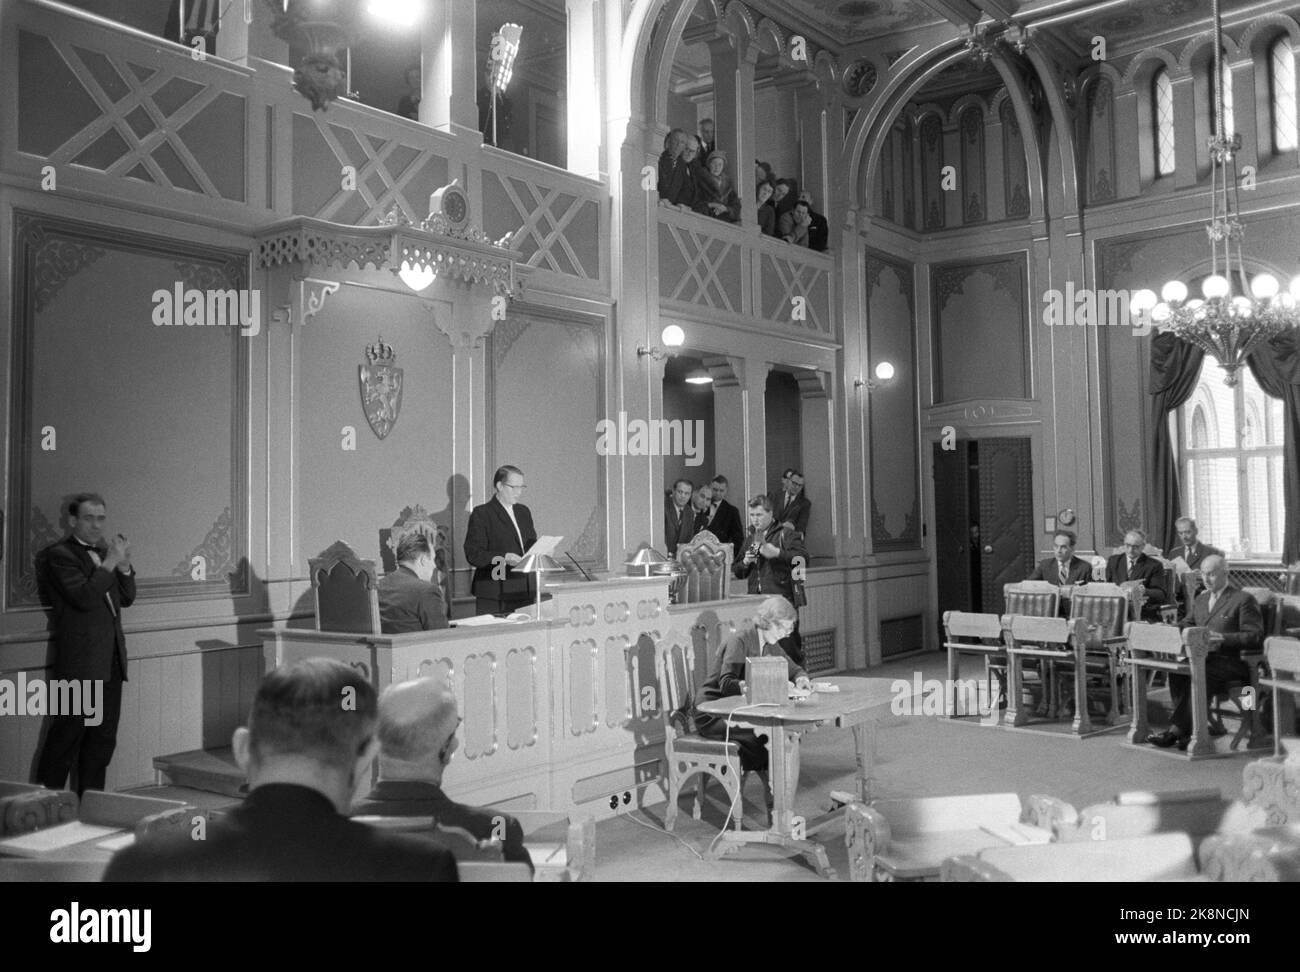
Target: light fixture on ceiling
<point>672,336</point>
<point>884,374</point>
<point>1236,315</point>
<point>698,376</point>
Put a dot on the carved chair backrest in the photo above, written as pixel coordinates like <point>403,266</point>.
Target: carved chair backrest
<point>708,566</point>
<point>1035,599</point>
<point>344,586</point>
<point>1108,610</point>
<point>675,672</point>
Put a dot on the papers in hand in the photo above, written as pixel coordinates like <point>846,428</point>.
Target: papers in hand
<point>544,545</point>
<point>1181,568</point>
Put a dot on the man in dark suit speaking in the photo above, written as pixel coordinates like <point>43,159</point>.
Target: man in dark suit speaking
<point>498,533</point>
<point>1131,564</point>
<point>308,746</point>
<point>88,583</point>
<point>1231,613</point>
<point>408,598</point>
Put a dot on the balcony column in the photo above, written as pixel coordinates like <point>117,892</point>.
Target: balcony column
<point>732,60</point>
<point>813,155</point>
<point>240,42</point>
<point>584,87</point>
<point>448,69</point>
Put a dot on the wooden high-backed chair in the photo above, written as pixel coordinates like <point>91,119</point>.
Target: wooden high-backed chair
<point>1035,599</point>
<point>1284,662</point>
<point>708,566</point>
<point>344,586</point>
<point>971,634</point>
<point>686,752</point>
<point>1104,609</point>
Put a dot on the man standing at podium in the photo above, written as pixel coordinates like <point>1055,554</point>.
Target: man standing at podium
<point>498,533</point>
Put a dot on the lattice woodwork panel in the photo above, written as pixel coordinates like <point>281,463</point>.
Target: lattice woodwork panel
<point>783,279</point>
<point>699,269</point>
<point>131,116</point>
<point>385,170</point>
<point>555,227</point>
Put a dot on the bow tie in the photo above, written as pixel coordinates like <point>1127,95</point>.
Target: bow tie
<point>102,551</point>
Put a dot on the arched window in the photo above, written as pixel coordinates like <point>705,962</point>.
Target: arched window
<point>1163,102</point>
<point>1231,464</point>
<point>1281,73</point>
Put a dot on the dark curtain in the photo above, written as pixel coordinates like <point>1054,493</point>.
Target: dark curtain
<point>1175,367</point>
<point>1276,366</point>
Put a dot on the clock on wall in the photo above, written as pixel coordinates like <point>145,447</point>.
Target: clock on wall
<point>1066,517</point>
<point>452,204</point>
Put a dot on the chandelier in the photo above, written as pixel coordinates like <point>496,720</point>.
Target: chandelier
<point>1236,315</point>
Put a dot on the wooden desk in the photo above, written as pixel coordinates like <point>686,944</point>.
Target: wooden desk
<point>854,707</point>
<point>560,714</point>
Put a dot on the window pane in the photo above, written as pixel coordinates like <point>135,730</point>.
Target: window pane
<point>1213,503</point>
<point>1164,99</point>
<point>1264,483</point>
<point>1229,127</point>
<point>1282,69</point>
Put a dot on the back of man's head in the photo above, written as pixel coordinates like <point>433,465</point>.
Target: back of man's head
<point>416,722</point>
<point>318,709</point>
<point>412,547</point>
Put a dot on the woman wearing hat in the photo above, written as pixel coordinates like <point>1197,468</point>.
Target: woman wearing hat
<point>717,195</point>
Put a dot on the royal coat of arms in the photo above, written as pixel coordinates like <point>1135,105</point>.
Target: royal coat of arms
<point>381,387</point>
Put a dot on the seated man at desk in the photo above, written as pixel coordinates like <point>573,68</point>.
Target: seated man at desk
<point>1230,613</point>
<point>409,600</point>
<point>305,755</point>
<point>1131,564</point>
<point>1064,568</point>
<point>417,736</point>
<point>774,621</point>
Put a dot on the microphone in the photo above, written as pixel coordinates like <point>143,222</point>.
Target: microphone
<point>578,565</point>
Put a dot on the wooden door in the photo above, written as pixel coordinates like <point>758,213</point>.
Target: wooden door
<point>952,523</point>
<point>1006,516</point>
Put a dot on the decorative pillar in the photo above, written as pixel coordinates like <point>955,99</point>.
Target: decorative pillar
<point>583,94</point>
<point>732,60</point>
<point>449,75</point>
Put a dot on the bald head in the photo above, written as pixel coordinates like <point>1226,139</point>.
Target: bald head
<point>417,722</point>
<point>1214,572</point>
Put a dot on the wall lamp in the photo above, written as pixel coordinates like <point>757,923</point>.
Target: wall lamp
<point>884,374</point>
<point>673,337</point>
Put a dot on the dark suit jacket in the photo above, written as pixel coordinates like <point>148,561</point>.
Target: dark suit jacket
<point>87,632</point>
<point>418,798</point>
<point>677,531</point>
<point>1048,570</point>
<point>491,534</point>
<point>1203,550</point>
<point>1235,616</point>
<point>1145,569</point>
<point>819,232</point>
<point>407,603</point>
<point>283,832</point>
<point>773,576</point>
<point>728,527</point>
<point>797,511</point>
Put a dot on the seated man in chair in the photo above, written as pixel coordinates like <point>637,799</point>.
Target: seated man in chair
<point>1064,569</point>
<point>417,736</point>
<point>1231,613</point>
<point>1131,564</point>
<point>409,600</point>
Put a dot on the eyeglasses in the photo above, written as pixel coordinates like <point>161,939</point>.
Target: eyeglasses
<point>514,485</point>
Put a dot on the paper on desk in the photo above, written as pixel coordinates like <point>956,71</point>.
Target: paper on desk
<point>55,838</point>
<point>1018,834</point>
<point>544,545</point>
<point>117,843</point>
<point>480,619</point>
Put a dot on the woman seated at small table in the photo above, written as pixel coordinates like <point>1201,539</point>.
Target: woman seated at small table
<point>774,621</point>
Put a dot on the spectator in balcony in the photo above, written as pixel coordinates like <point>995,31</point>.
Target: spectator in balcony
<point>785,194</point>
<point>766,211</point>
<point>708,140</point>
<point>676,186</point>
<point>794,225</point>
<point>763,173</point>
<point>409,104</point>
<point>716,196</point>
<point>819,231</point>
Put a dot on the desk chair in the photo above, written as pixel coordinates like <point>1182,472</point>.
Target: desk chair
<point>1034,599</point>
<point>344,589</point>
<point>1284,661</point>
<point>685,751</point>
<point>1103,609</point>
<point>708,566</point>
<point>971,634</point>
<point>1051,640</point>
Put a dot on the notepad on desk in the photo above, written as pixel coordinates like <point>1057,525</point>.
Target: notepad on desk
<point>51,839</point>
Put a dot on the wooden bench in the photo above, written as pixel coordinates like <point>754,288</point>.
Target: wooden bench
<point>1047,640</point>
<point>1158,857</point>
<point>971,634</point>
<point>1284,662</point>
<point>1165,648</point>
<point>908,840</point>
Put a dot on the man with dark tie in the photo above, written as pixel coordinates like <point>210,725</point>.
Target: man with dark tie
<point>88,584</point>
<point>724,519</point>
<point>790,505</point>
<point>498,533</point>
<point>1064,569</point>
<point>1131,564</point>
<point>702,503</point>
<point>408,598</point>
<point>1230,613</point>
<point>679,516</point>
<point>1193,551</point>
